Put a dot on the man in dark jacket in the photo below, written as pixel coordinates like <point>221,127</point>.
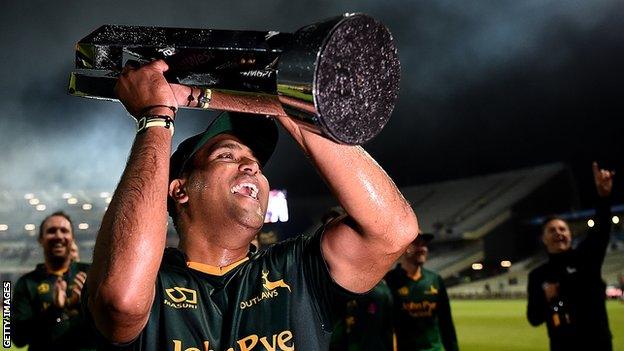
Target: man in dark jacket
<point>567,292</point>
<point>46,301</point>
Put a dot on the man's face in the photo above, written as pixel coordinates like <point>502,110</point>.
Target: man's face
<point>57,238</point>
<point>226,180</point>
<point>417,252</point>
<point>74,253</point>
<point>556,236</point>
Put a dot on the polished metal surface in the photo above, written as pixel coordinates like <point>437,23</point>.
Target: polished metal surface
<point>338,77</point>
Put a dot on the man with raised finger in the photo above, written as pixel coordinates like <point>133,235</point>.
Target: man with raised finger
<point>567,292</point>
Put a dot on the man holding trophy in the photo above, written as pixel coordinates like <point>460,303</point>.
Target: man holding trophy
<point>214,292</point>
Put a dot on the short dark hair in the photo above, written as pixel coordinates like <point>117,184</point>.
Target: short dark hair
<point>551,218</point>
<point>57,213</point>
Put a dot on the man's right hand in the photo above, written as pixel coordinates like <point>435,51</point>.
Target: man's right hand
<point>551,290</point>
<point>138,89</point>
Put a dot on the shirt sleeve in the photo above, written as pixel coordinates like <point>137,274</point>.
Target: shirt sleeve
<point>537,301</point>
<point>447,328</point>
<point>328,294</point>
<point>23,314</point>
<point>30,323</point>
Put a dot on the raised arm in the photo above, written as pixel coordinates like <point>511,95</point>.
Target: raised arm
<point>131,240</point>
<point>360,249</point>
<point>594,247</point>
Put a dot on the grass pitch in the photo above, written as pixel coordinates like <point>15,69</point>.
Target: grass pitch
<point>484,325</point>
<point>495,325</point>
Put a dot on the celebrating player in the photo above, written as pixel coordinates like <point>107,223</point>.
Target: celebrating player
<point>212,293</point>
<point>47,300</point>
<point>422,319</point>
<point>568,292</point>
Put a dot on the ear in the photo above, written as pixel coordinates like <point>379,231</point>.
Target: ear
<point>177,191</point>
<point>544,238</point>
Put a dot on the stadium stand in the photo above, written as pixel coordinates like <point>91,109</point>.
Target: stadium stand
<point>482,219</point>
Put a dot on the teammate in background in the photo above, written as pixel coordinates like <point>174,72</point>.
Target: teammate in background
<point>46,301</point>
<point>422,312</point>
<point>568,292</point>
<point>74,252</point>
<point>365,321</point>
<point>211,293</point>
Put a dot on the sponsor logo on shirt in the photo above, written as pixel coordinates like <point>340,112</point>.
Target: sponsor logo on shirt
<point>570,270</point>
<point>43,288</point>
<point>282,341</point>
<point>432,291</point>
<point>404,291</point>
<point>419,309</point>
<point>181,298</point>
<point>270,290</point>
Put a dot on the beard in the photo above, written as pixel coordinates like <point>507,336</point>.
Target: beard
<point>57,260</point>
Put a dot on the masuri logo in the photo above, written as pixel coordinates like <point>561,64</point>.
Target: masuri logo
<point>181,297</point>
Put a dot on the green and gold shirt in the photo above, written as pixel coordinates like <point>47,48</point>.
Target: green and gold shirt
<point>277,299</point>
<point>422,314</point>
<point>38,323</point>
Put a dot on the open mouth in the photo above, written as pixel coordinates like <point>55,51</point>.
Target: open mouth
<point>59,246</point>
<point>560,239</point>
<point>246,189</point>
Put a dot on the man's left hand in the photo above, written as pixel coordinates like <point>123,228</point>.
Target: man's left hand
<point>603,179</point>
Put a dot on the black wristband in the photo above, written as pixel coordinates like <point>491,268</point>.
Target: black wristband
<point>144,112</point>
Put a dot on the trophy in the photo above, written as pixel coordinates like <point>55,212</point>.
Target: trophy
<point>338,78</point>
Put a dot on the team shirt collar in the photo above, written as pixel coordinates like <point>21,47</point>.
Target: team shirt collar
<point>215,270</point>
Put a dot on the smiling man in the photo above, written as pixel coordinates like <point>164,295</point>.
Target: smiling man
<point>214,292</point>
<point>567,292</point>
<point>47,300</point>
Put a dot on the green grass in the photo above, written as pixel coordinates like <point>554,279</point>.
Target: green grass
<point>485,325</point>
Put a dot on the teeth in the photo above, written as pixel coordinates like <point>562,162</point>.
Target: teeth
<point>252,187</point>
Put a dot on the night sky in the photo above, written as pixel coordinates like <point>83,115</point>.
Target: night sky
<point>486,86</point>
